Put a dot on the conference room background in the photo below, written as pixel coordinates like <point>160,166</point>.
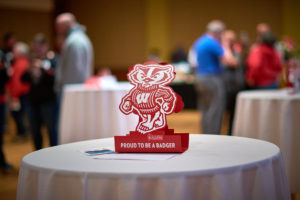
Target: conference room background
<point>124,32</point>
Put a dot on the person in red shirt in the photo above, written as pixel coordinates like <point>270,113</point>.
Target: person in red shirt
<point>264,64</point>
<point>17,90</point>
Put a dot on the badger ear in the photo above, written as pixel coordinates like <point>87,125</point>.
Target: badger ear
<point>169,73</point>
<point>137,67</point>
<point>131,76</point>
<point>170,68</point>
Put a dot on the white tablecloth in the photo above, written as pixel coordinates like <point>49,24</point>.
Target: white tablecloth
<point>214,167</point>
<point>88,113</point>
<point>274,116</point>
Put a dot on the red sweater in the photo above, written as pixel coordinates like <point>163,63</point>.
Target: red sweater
<point>263,65</point>
<point>15,86</point>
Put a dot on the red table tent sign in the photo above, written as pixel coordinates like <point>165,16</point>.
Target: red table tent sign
<point>151,99</point>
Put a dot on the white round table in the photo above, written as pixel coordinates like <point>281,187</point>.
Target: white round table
<point>272,115</point>
<point>214,167</point>
<point>89,113</point>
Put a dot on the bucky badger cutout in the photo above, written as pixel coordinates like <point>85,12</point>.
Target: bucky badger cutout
<point>151,98</point>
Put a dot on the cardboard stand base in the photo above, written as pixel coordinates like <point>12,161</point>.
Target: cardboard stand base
<point>165,141</point>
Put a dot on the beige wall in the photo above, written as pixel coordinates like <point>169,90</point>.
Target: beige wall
<point>123,32</point>
<point>116,29</point>
<point>25,23</point>
<point>291,19</point>
<point>157,28</point>
<point>189,18</point>
<point>38,5</point>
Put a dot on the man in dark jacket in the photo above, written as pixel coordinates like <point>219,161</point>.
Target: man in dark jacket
<point>42,98</point>
<point>5,62</point>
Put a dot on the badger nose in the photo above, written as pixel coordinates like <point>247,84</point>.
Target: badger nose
<point>148,79</point>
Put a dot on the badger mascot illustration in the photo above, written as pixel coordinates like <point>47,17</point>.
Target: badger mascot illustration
<point>151,98</point>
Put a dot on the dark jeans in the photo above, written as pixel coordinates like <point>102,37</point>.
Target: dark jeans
<point>234,83</point>
<point>44,114</point>
<point>2,124</point>
<point>19,116</point>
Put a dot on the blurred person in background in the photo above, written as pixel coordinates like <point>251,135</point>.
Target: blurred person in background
<point>76,58</point>
<point>179,59</point>
<point>264,27</point>
<point>18,91</point>
<point>4,165</point>
<point>264,64</point>
<point>233,75</point>
<point>155,55</point>
<point>242,46</point>
<point>6,53</point>
<point>179,55</point>
<point>210,85</point>
<point>260,29</point>
<point>58,44</point>
<point>42,97</point>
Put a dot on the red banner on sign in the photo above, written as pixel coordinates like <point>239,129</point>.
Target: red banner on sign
<point>154,142</point>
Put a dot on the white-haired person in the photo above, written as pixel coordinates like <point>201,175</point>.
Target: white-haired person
<point>18,91</point>
<point>209,56</point>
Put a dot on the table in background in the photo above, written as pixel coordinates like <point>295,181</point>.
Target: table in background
<point>214,167</point>
<point>188,94</point>
<point>274,116</point>
<point>88,113</point>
